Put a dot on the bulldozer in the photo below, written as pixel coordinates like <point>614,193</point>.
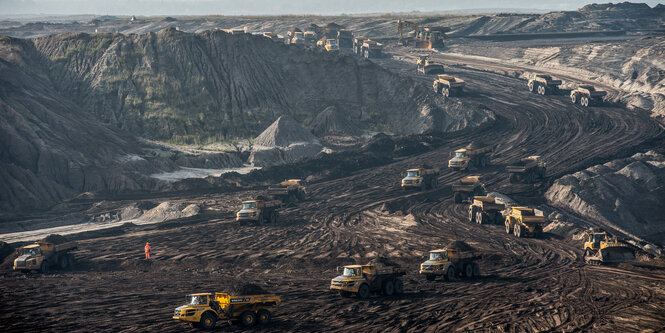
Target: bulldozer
<point>600,248</point>
<point>485,210</point>
<point>426,66</point>
<point>543,84</point>
<point>361,280</point>
<point>448,85</point>
<point>524,221</point>
<point>587,95</point>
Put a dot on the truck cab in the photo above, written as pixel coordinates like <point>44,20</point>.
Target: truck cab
<point>248,211</point>
<point>460,160</point>
<point>332,45</point>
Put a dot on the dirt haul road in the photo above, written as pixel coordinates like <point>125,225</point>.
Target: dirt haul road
<point>527,284</point>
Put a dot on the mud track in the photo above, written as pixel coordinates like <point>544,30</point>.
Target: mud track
<point>527,284</point>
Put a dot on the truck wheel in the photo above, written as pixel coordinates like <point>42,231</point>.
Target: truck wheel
<point>44,268</point>
<point>260,219</point>
<point>476,270</point>
<point>517,230</point>
<point>508,228</point>
<point>208,321</point>
<point>445,92</point>
<point>538,232</point>
<point>450,274</point>
<point>248,318</point>
<point>584,101</point>
<point>430,277</point>
<point>472,214</point>
<point>468,271</point>
<point>276,217</point>
<point>273,217</point>
<point>530,85</point>
<point>540,90</point>
<point>573,98</point>
<point>458,197</point>
<point>480,218</point>
<point>434,183</point>
<point>71,260</point>
<point>62,261</point>
<point>389,288</point>
<point>399,287</point>
<point>363,291</point>
<point>263,317</point>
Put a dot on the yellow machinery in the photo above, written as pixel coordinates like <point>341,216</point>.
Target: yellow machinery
<point>599,247</point>
<point>42,255</point>
<point>448,85</point>
<point>523,221</point>
<point>425,65</point>
<point>527,170</point>
<point>205,309</point>
<point>421,178</point>
<point>425,37</point>
<point>458,258</point>
<point>358,42</point>
<point>484,210</point>
<point>467,188</point>
<point>361,280</point>
<point>329,45</point>
<point>259,210</point>
<point>587,95</point>
<point>473,155</point>
<point>371,49</point>
<point>288,191</point>
<point>543,84</point>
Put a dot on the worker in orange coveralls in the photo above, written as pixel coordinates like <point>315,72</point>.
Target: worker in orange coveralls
<point>147,250</point>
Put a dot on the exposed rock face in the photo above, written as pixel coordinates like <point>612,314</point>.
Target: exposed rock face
<point>332,121</point>
<point>626,195</point>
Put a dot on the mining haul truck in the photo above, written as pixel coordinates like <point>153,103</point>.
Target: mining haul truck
<point>51,251</point>
<point>485,210</point>
<point>587,95</point>
<point>288,191</point>
<point>448,85</point>
<point>599,248</point>
<point>426,66</point>
<point>527,170</point>
<point>204,310</point>
<point>421,178</point>
<point>371,49</point>
<point>543,84</point>
<point>524,221</point>
<point>456,259</point>
<point>473,155</point>
<point>361,280</point>
<point>467,188</point>
<point>259,210</point>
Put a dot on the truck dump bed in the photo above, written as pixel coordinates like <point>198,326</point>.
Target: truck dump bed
<point>521,166</point>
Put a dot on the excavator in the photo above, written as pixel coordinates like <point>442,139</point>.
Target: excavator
<point>600,247</point>
<point>426,37</point>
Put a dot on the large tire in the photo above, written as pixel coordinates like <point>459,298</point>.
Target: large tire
<point>584,101</point>
<point>44,267</point>
<point>70,260</point>
<point>430,277</point>
<point>263,317</point>
<point>445,92</point>
<point>450,273</point>
<point>476,270</point>
<point>480,218</point>
<point>573,98</point>
<point>389,288</point>
<point>435,86</point>
<point>458,197</point>
<point>468,271</point>
<point>507,224</point>
<point>472,214</point>
<point>538,232</point>
<point>399,287</point>
<point>63,262</point>
<point>273,217</point>
<point>208,321</point>
<point>248,318</point>
<point>260,218</point>
<point>363,291</point>
<point>518,230</point>
<point>434,183</point>
<point>276,217</point>
<point>531,86</point>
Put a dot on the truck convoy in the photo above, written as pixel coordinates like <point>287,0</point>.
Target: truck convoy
<point>421,178</point>
<point>259,210</point>
<point>53,250</point>
<point>205,309</point>
<point>527,170</point>
<point>600,247</point>
<point>426,66</point>
<point>543,84</point>
<point>448,85</point>
<point>458,258</point>
<point>587,95</point>
<point>467,188</point>
<point>375,276</point>
<point>288,191</point>
<point>485,210</point>
<point>524,221</point>
<point>474,154</point>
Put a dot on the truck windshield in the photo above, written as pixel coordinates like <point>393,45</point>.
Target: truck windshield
<point>412,173</point>
<point>197,300</point>
<point>249,205</point>
<point>351,271</point>
<point>332,43</point>
<point>460,154</point>
<point>32,251</point>
<point>437,256</point>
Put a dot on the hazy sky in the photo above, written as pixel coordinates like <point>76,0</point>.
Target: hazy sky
<point>271,7</point>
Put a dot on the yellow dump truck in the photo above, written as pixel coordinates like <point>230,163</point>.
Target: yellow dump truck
<point>310,38</point>
<point>46,253</point>
<point>426,66</point>
<point>345,38</point>
<point>362,280</point>
<point>475,154</point>
<point>421,178</point>
<point>527,170</point>
<point>456,259</point>
<point>467,188</point>
<point>288,191</point>
<point>485,210</point>
<point>543,84</point>
<point>358,42</point>
<point>330,45</point>
<point>448,85</point>
<point>371,49</point>
<point>587,95</point>
<point>524,221</point>
<point>204,310</point>
<point>600,247</point>
<point>259,210</point>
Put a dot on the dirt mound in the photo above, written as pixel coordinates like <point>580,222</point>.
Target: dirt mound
<point>332,122</point>
<point>247,289</point>
<point>5,250</point>
<point>283,132</point>
<point>459,246</point>
<point>382,261</point>
<point>54,239</point>
<point>475,145</point>
<point>169,211</point>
